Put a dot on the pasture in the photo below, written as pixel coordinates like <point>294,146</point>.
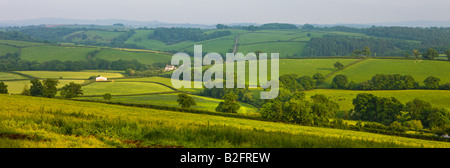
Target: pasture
<point>420,70</point>
<point>61,53</point>
<point>142,57</point>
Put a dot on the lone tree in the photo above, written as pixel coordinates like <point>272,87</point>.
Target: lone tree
<point>366,51</point>
<point>416,53</point>
<point>185,100</point>
<point>338,65</point>
<point>107,96</point>
<point>430,54</point>
<point>71,90</point>
<point>3,88</point>
<point>229,105</point>
<point>432,82</point>
<point>50,88</point>
<point>36,88</point>
<point>25,91</point>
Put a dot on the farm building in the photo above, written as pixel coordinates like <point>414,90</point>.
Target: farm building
<point>170,68</point>
<point>101,79</point>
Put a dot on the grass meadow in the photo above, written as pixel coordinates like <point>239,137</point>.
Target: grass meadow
<point>42,123</point>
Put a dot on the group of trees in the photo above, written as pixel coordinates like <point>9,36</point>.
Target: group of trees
<point>261,27</point>
<point>295,83</point>
<point>388,82</point>
<point>229,105</point>
<point>295,108</point>
<point>416,114</point>
<point>175,35</point>
<point>3,88</point>
<point>48,88</point>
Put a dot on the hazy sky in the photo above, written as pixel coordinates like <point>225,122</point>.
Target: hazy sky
<point>231,11</point>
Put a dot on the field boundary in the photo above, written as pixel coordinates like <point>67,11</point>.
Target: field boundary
<point>346,66</point>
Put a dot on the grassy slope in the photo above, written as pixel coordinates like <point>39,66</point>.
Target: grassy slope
<point>4,49</point>
<point>20,43</point>
<point>123,88</point>
<point>203,103</point>
<point>365,70</point>
<point>10,76</point>
<point>64,123</point>
<point>143,57</point>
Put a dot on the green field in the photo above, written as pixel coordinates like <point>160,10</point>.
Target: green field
<point>142,57</point>
<point>438,98</point>
<point>16,87</point>
<point>63,123</point>
<point>4,49</point>
<point>203,103</point>
<point>123,88</point>
<point>365,70</point>
<point>71,74</point>
<point>284,49</point>
<point>10,76</point>
<point>61,53</point>
<point>20,43</point>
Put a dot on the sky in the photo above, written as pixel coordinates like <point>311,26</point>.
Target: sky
<point>231,11</point>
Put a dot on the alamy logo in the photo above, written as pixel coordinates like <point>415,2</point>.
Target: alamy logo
<point>217,70</point>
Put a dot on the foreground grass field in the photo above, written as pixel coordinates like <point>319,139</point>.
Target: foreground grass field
<point>41,122</point>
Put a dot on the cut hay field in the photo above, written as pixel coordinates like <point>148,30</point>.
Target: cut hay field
<point>142,57</point>
<point>203,103</point>
<point>437,98</point>
<point>365,70</point>
<point>10,76</point>
<point>61,53</point>
<point>59,123</point>
<point>70,74</point>
<point>123,88</point>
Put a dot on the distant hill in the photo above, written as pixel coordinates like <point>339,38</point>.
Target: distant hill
<point>155,23</point>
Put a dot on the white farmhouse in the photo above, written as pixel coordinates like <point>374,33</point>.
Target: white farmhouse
<point>170,68</point>
<point>101,79</point>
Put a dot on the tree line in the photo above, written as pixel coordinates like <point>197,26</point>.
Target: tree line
<point>175,35</point>
<point>12,62</point>
<point>388,82</point>
<point>416,114</point>
<point>46,88</point>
